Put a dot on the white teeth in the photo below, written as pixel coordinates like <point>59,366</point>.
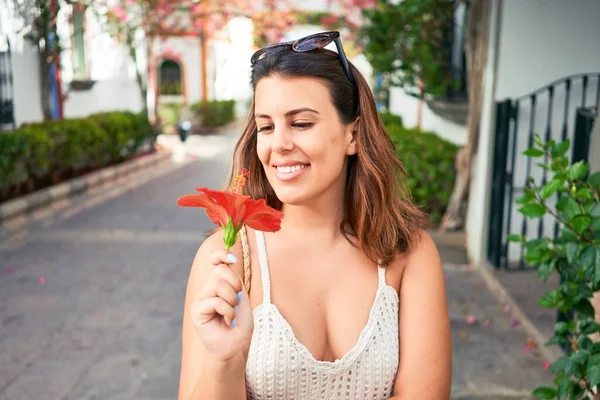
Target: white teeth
<point>290,169</point>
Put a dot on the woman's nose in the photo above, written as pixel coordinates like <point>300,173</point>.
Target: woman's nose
<point>282,139</point>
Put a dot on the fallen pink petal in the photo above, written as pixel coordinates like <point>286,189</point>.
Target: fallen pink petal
<point>506,308</point>
<point>547,365</point>
<point>527,348</point>
<point>514,322</point>
<point>42,280</point>
<point>10,270</point>
<point>487,323</point>
<point>471,319</point>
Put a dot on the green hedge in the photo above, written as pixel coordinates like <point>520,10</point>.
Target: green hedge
<point>390,119</point>
<point>51,149</point>
<point>429,163</point>
<point>214,113</point>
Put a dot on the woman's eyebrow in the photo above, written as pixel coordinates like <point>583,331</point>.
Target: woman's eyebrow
<point>289,113</point>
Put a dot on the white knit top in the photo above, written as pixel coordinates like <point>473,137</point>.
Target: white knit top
<point>279,367</point>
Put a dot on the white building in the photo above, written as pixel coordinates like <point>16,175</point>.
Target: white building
<point>544,58</point>
<point>104,70</point>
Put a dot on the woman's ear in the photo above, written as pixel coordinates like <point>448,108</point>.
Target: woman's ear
<point>351,136</point>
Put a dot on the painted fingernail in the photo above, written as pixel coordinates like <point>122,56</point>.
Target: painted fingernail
<point>235,309</point>
<point>233,324</point>
<point>239,297</point>
<point>231,257</point>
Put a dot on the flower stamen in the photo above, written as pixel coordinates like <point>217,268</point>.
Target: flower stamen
<point>240,181</point>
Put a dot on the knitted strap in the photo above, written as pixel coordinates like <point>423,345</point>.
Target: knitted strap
<point>246,257</point>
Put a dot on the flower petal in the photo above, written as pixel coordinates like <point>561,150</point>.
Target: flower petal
<point>261,217</point>
<point>214,211</point>
<point>233,203</point>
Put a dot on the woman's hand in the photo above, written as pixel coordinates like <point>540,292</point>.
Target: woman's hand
<point>221,313</point>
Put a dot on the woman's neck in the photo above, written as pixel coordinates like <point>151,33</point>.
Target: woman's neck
<point>320,219</point>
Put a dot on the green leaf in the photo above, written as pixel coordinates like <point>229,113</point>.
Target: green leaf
<point>534,210</point>
<point>550,188</point>
<point>533,152</point>
<point>593,373</point>
<point>559,365</point>
<point>581,222</point>
<point>572,251</point>
<point>526,198</point>
<point>545,269</point>
<point>590,262</point>
<point>515,238</point>
<point>595,210</point>
<point>560,148</point>
<point>595,224</point>
<point>583,194</point>
<point>564,389</point>
<point>594,179</point>
<point>588,327</point>
<point>577,170</point>
<point>580,357</point>
<point>571,207</point>
<point>549,299</point>
<point>561,327</point>
<point>544,392</point>
<point>584,308</point>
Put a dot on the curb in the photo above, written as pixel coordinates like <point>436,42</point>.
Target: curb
<point>503,296</point>
<point>28,203</point>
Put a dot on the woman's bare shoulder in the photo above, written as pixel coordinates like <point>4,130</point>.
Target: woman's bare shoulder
<point>423,254</point>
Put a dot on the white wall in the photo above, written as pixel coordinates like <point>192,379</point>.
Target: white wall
<point>407,107</point>
<point>539,41</point>
<point>27,105</point>
<point>109,64</point>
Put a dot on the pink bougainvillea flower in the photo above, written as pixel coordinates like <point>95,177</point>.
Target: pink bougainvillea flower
<point>506,308</point>
<point>231,209</point>
<point>487,323</point>
<point>42,280</point>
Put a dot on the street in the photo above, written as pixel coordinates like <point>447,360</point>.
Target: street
<point>91,299</point>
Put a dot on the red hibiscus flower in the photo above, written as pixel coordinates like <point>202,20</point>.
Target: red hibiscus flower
<point>232,210</point>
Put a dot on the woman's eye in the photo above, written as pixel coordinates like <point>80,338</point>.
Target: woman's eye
<point>302,125</point>
<point>264,128</point>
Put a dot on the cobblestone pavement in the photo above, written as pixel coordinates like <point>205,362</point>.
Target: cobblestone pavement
<point>91,302</point>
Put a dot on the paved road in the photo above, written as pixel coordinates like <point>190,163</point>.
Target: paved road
<point>91,299</point>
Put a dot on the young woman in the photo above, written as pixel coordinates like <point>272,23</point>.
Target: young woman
<point>347,300</point>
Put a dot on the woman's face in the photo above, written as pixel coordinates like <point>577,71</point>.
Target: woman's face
<point>302,144</point>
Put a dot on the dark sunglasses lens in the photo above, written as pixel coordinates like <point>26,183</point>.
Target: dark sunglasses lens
<point>315,42</point>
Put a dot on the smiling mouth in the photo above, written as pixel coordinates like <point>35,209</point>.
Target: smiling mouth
<point>288,169</point>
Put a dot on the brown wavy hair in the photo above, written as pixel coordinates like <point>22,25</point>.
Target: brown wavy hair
<point>378,210</point>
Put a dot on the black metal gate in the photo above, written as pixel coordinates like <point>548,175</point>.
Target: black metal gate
<point>564,109</point>
<point>7,117</point>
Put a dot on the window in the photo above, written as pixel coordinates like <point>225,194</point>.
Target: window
<point>80,70</point>
<point>170,78</point>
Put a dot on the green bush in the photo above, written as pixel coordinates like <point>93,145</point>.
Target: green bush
<point>53,149</point>
<point>429,163</point>
<point>214,113</point>
<point>390,119</point>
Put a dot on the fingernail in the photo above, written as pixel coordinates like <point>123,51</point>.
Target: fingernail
<point>233,324</point>
<point>235,309</point>
<point>231,257</point>
<point>239,297</point>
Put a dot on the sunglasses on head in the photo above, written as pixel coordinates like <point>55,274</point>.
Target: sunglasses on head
<point>310,43</point>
